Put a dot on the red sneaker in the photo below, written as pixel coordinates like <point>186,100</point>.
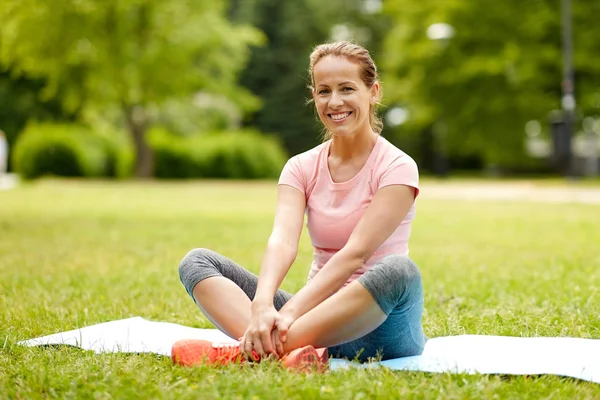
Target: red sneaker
<point>323,354</point>
<point>192,352</point>
<point>307,359</point>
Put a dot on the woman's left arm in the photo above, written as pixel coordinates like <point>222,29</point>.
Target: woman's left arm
<point>387,210</point>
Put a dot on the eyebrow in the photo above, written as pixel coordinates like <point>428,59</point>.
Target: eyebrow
<point>339,84</point>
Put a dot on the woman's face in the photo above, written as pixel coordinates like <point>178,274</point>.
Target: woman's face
<point>342,100</point>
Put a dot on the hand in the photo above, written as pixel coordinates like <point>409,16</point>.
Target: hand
<point>283,321</point>
<point>258,334</point>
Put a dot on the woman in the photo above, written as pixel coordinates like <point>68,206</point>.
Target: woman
<point>364,297</point>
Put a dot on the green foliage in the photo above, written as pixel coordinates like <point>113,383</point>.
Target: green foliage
<point>125,52</point>
<point>119,152</point>
<point>19,103</point>
<point>235,155</point>
<point>68,150</point>
<point>181,65</point>
<point>203,112</point>
<point>502,68</point>
<point>135,55</point>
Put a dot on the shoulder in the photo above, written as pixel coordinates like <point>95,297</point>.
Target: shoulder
<point>309,157</point>
<point>300,170</point>
<point>306,162</point>
<point>394,167</point>
<point>390,156</point>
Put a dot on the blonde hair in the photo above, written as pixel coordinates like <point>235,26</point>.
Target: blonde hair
<point>368,72</point>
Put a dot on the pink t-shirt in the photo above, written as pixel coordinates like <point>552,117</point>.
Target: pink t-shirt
<point>333,209</point>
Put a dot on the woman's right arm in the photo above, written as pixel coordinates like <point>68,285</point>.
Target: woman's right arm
<point>282,246</point>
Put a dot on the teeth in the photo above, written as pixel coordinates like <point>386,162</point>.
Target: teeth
<point>337,117</point>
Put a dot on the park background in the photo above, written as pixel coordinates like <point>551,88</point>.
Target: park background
<point>197,97</point>
<point>218,89</point>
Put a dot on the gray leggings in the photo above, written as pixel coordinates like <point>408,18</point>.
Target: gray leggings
<point>394,283</point>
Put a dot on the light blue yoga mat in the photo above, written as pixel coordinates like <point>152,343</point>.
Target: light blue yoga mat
<point>569,357</point>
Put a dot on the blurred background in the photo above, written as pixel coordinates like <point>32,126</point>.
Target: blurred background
<point>218,89</point>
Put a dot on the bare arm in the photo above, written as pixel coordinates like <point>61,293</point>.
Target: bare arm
<point>383,216</point>
<point>282,246</point>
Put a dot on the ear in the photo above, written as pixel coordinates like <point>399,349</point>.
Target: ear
<point>375,93</point>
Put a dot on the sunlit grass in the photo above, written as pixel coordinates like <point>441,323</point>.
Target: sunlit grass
<point>79,253</point>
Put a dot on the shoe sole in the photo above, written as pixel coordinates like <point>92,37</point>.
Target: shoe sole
<point>309,360</point>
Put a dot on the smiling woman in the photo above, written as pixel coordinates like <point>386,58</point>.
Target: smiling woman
<point>344,74</point>
<point>364,296</point>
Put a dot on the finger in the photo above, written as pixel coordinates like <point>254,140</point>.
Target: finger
<point>266,343</point>
<point>277,343</point>
<point>282,328</point>
<point>274,336</point>
<point>274,342</point>
<point>247,345</point>
<point>258,348</point>
<point>243,342</point>
<point>247,349</point>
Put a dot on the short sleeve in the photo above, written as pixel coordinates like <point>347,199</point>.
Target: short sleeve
<point>402,170</point>
<point>292,175</point>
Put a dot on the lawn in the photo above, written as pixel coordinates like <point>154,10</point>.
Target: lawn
<point>80,253</point>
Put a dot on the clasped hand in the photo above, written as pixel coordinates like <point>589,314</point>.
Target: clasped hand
<point>266,333</point>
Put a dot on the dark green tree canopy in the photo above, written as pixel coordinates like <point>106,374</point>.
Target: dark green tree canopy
<point>501,68</point>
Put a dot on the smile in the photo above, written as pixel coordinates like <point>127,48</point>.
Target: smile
<point>339,116</point>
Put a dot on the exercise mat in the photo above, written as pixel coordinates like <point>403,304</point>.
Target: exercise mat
<point>484,354</point>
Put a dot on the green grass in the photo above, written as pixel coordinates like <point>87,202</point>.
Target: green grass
<point>80,253</point>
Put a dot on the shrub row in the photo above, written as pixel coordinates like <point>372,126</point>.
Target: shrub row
<point>76,151</point>
<point>236,155</point>
<point>68,150</point>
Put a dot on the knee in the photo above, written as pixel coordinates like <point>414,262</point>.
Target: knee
<point>394,281</point>
<point>194,259</point>
<point>403,272</point>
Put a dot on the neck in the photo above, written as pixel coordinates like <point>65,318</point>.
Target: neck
<point>348,147</point>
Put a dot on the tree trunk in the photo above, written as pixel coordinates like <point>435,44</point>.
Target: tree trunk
<point>138,125</point>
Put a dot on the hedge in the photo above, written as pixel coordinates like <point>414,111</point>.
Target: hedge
<point>241,154</point>
<point>77,151</point>
<point>69,150</point>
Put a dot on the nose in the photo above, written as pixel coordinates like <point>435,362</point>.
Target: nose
<point>335,101</point>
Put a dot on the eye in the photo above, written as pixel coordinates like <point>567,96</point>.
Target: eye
<point>347,89</point>
<point>323,91</point>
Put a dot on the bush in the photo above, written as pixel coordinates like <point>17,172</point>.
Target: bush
<point>119,152</point>
<point>66,150</point>
<point>234,155</point>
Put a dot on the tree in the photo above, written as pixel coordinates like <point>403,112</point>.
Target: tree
<point>130,55</point>
<point>502,68</point>
<point>19,103</point>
